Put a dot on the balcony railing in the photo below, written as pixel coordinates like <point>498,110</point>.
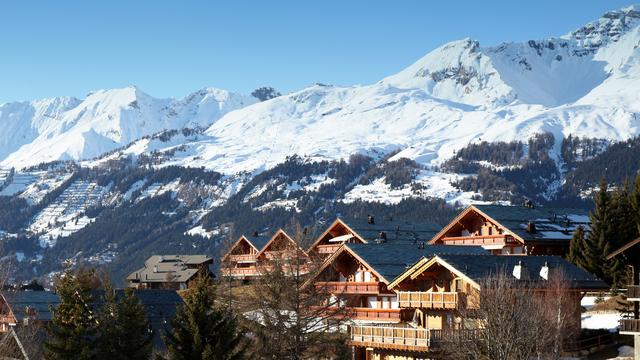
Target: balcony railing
<point>633,292</point>
<point>500,239</point>
<point>406,338</point>
<point>249,271</point>
<point>429,300</point>
<point>342,287</point>
<point>370,314</point>
<point>242,258</point>
<point>327,249</point>
<point>630,326</point>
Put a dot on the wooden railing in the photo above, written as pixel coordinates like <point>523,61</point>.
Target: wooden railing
<point>630,326</point>
<point>375,314</point>
<point>633,292</point>
<point>242,258</point>
<point>391,337</point>
<point>342,287</point>
<point>430,300</point>
<point>361,313</point>
<point>500,239</point>
<point>249,271</point>
<point>327,249</point>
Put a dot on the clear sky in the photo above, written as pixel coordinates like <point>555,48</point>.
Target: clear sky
<point>171,48</point>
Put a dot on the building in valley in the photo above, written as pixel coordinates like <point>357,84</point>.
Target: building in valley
<point>432,293</point>
<point>240,261</point>
<point>170,271</point>
<point>357,276</point>
<point>247,259</point>
<point>20,308</point>
<point>371,230</point>
<point>631,326</point>
<point>514,230</point>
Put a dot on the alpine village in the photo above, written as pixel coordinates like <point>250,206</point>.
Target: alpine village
<point>482,204</point>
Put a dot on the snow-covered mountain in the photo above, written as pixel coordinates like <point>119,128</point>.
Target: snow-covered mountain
<point>67,128</point>
<point>585,83</point>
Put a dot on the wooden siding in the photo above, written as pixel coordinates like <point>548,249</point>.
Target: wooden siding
<point>630,326</point>
<point>633,293</point>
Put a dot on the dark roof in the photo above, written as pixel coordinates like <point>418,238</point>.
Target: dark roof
<point>392,259</point>
<point>551,224</point>
<point>160,307</point>
<point>395,230</point>
<point>258,241</point>
<point>479,267</point>
<point>39,301</point>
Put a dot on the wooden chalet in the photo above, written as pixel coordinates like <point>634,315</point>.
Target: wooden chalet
<point>170,271</point>
<point>631,251</point>
<point>249,257</point>
<point>358,275</point>
<point>433,291</point>
<point>240,262</point>
<point>371,230</point>
<point>514,230</point>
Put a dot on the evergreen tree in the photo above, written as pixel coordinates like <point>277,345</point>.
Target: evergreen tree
<point>202,330</point>
<point>73,326</point>
<point>598,241</point>
<point>577,247</point>
<point>124,328</point>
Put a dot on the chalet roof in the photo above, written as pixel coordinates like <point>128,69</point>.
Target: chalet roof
<point>551,224</point>
<point>180,268</point>
<point>258,241</point>
<point>395,230</point>
<point>479,267</point>
<point>392,259</point>
<point>39,301</point>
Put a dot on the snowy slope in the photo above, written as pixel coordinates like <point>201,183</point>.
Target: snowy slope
<point>584,83</point>
<point>68,128</point>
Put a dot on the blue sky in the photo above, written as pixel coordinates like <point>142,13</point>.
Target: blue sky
<point>170,48</point>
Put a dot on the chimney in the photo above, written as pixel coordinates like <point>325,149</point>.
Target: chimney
<point>544,271</point>
<point>528,204</point>
<point>382,237</point>
<point>155,268</point>
<point>520,271</point>
<point>370,220</point>
<point>531,227</point>
<point>254,233</point>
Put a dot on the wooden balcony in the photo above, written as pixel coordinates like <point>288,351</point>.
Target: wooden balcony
<point>630,326</point>
<point>633,293</point>
<point>400,338</point>
<point>342,287</point>
<point>376,314</point>
<point>245,258</point>
<point>370,314</point>
<point>478,240</point>
<point>240,272</point>
<point>428,300</point>
<point>327,249</point>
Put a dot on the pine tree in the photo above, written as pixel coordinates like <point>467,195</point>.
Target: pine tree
<point>73,326</point>
<point>202,330</point>
<point>577,247</point>
<point>123,330</point>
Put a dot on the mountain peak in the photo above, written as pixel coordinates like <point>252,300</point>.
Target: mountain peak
<point>608,28</point>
